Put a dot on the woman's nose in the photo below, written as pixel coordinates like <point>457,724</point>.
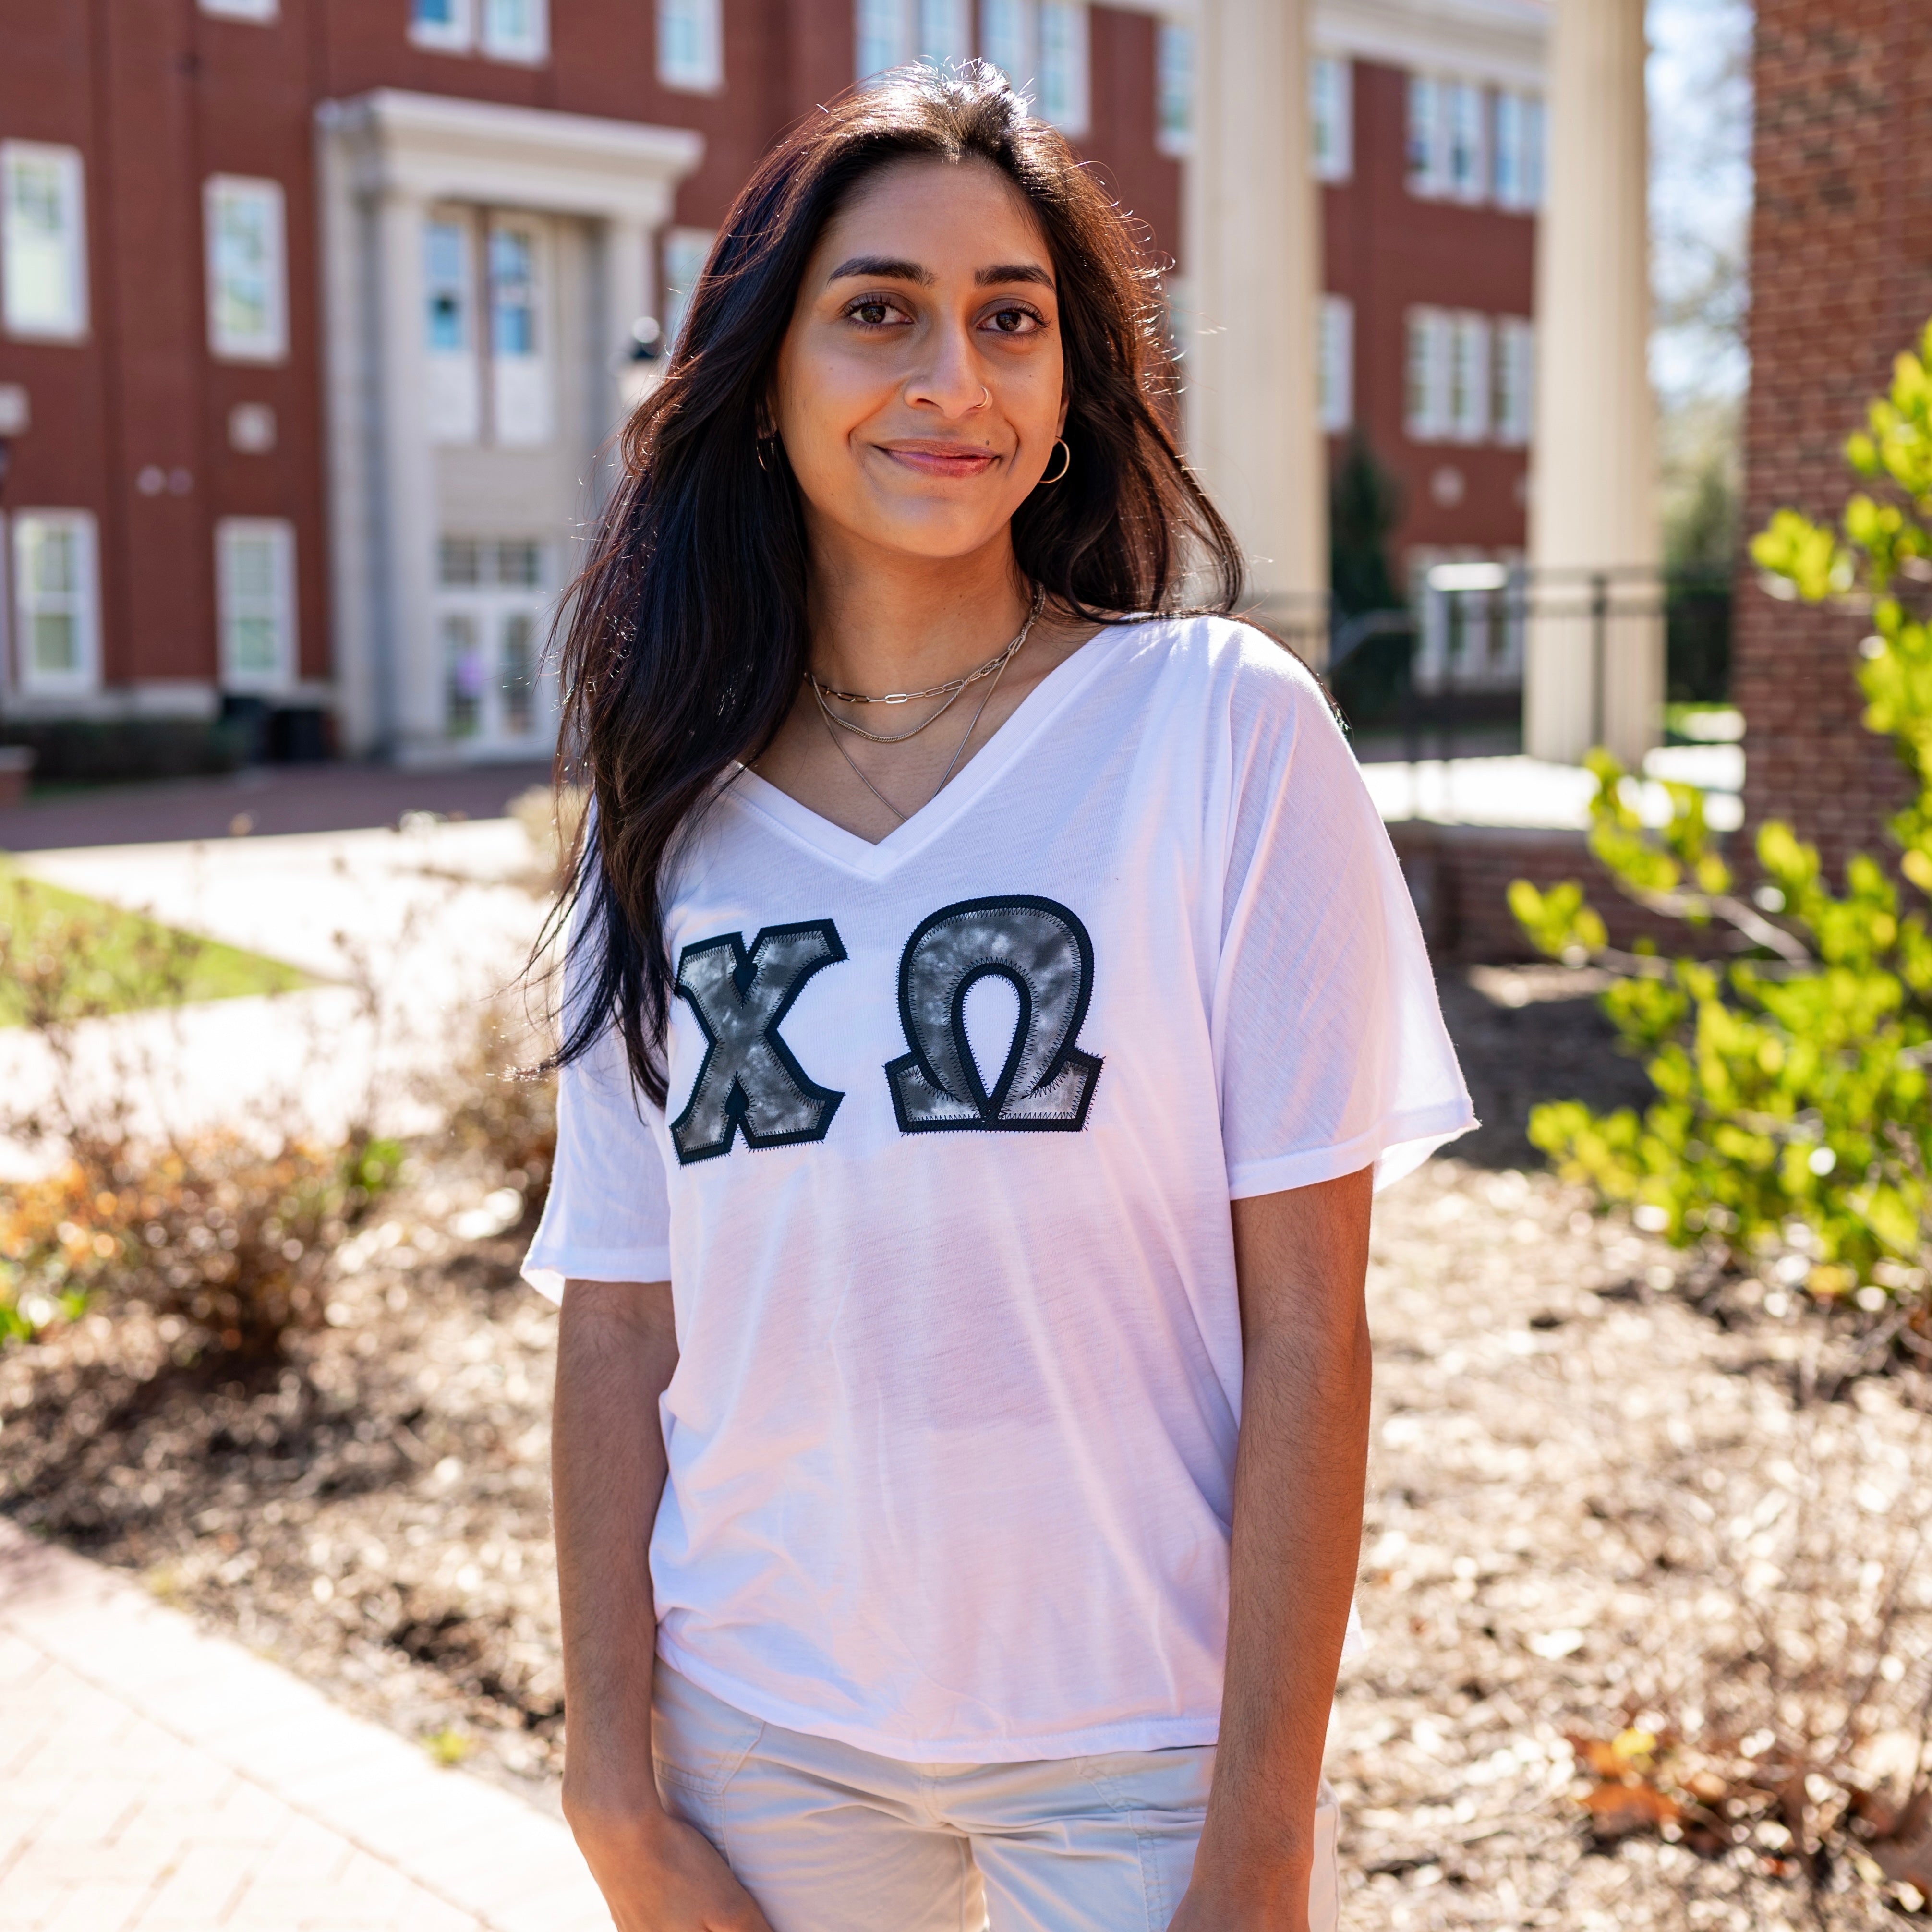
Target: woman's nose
<point>950,382</point>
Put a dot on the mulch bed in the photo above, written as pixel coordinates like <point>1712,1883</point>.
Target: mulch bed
<point>1612,1500</point>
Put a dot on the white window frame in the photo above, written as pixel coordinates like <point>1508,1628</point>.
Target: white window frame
<point>271,343</point>
<point>261,12</point>
<point>1174,88</point>
<point>883,37</point>
<point>84,600</point>
<point>1513,397</point>
<point>530,48</point>
<point>942,31</point>
<point>1016,23</point>
<point>1331,132</point>
<point>1066,65</point>
<point>277,604</point>
<point>1535,153</point>
<point>1427,349</point>
<point>1335,363</point>
<point>72,325</point>
<point>453,38</point>
<point>1470,367</point>
<point>701,70</point>
<point>685,251</point>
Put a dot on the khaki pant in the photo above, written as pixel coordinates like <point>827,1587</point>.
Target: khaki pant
<point>829,1838</point>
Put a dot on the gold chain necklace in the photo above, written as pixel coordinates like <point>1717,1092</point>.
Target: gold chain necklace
<point>951,691</point>
<point>999,666</point>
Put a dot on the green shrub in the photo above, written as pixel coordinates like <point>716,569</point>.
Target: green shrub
<point>1793,1117</point>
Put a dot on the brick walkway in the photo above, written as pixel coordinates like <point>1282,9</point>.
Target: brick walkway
<point>155,1779</point>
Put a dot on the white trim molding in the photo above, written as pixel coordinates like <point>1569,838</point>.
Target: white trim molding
<point>1502,43</point>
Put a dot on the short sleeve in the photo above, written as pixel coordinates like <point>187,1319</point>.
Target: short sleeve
<point>608,1215</point>
<point>1328,1035</point>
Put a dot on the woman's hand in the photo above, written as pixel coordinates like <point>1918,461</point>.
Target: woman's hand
<point>657,1874</point>
<point>1281,1905</point>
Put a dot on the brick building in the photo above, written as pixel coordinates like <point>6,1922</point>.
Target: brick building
<point>314,314</point>
<point>1841,279</point>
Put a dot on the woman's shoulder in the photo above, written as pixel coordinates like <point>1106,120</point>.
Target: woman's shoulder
<point>1225,663</point>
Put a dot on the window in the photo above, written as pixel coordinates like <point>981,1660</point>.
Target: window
<point>1447,148</point>
<point>686,250</point>
<point>442,24</point>
<point>513,301</point>
<point>1426,372</point>
<point>942,31</point>
<point>1008,37</point>
<point>1512,389</point>
<point>1331,86</point>
<point>1519,161</point>
<point>247,302</point>
<point>1062,64</point>
<point>1174,88</point>
<point>1425,118</point>
<point>1335,362</point>
<point>452,399</point>
<point>690,45</point>
<point>240,9</point>
<point>1469,379</point>
<point>55,602</point>
<point>446,278</point>
<point>42,240</point>
<point>516,30</point>
<point>1466,157</point>
<point>490,629</point>
<point>255,583</point>
<point>879,28</point>
<point>519,369</point>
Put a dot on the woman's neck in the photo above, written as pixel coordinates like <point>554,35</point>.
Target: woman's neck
<point>897,623</point>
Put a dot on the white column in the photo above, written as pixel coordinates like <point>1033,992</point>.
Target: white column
<point>1250,250</point>
<point>1597,674</point>
<point>630,293</point>
<point>409,652</point>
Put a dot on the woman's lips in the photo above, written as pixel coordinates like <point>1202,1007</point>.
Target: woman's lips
<point>940,459</point>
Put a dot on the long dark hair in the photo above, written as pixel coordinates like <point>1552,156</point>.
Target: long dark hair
<point>687,637</point>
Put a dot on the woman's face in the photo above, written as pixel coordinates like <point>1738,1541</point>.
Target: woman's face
<point>920,386</point>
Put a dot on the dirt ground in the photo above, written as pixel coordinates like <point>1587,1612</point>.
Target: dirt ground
<point>1635,1532</point>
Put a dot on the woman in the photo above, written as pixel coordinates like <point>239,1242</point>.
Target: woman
<point>991,1002</point>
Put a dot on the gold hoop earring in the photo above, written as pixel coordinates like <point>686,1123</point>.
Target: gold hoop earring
<point>758,449</point>
<point>1060,444</point>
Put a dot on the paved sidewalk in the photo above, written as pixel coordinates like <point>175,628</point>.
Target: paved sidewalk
<point>155,1779</point>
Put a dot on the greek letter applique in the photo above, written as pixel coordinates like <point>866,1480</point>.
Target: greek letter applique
<point>1047,1083</point>
<point>749,1079</point>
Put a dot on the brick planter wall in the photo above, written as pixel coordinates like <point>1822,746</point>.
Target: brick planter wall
<point>1841,276</point>
<point>1459,875</point>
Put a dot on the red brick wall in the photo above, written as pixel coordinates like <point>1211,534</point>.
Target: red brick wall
<point>1841,269</point>
<point>1388,250</point>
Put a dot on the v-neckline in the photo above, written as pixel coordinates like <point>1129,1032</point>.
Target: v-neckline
<point>1009,738</point>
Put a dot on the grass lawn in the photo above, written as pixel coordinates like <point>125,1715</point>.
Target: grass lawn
<point>83,958</point>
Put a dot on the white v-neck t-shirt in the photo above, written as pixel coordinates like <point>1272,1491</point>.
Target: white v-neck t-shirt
<point>942,1193</point>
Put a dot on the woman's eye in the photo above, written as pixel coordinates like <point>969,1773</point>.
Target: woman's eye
<point>1014,321</point>
<point>874,313</point>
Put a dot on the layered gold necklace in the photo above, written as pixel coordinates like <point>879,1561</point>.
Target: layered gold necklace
<point>825,695</point>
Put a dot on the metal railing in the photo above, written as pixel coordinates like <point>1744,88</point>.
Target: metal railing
<point>1455,674</point>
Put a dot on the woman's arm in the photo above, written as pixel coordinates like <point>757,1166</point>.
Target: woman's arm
<point>1301,1259</point>
<point>616,1347</point>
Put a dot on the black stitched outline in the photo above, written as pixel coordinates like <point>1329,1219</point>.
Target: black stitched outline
<point>737,1102</point>
<point>1069,1055</point>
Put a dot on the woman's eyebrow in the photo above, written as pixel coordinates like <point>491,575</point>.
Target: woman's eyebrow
<point>887,267</point>
<point>1013,272</point>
